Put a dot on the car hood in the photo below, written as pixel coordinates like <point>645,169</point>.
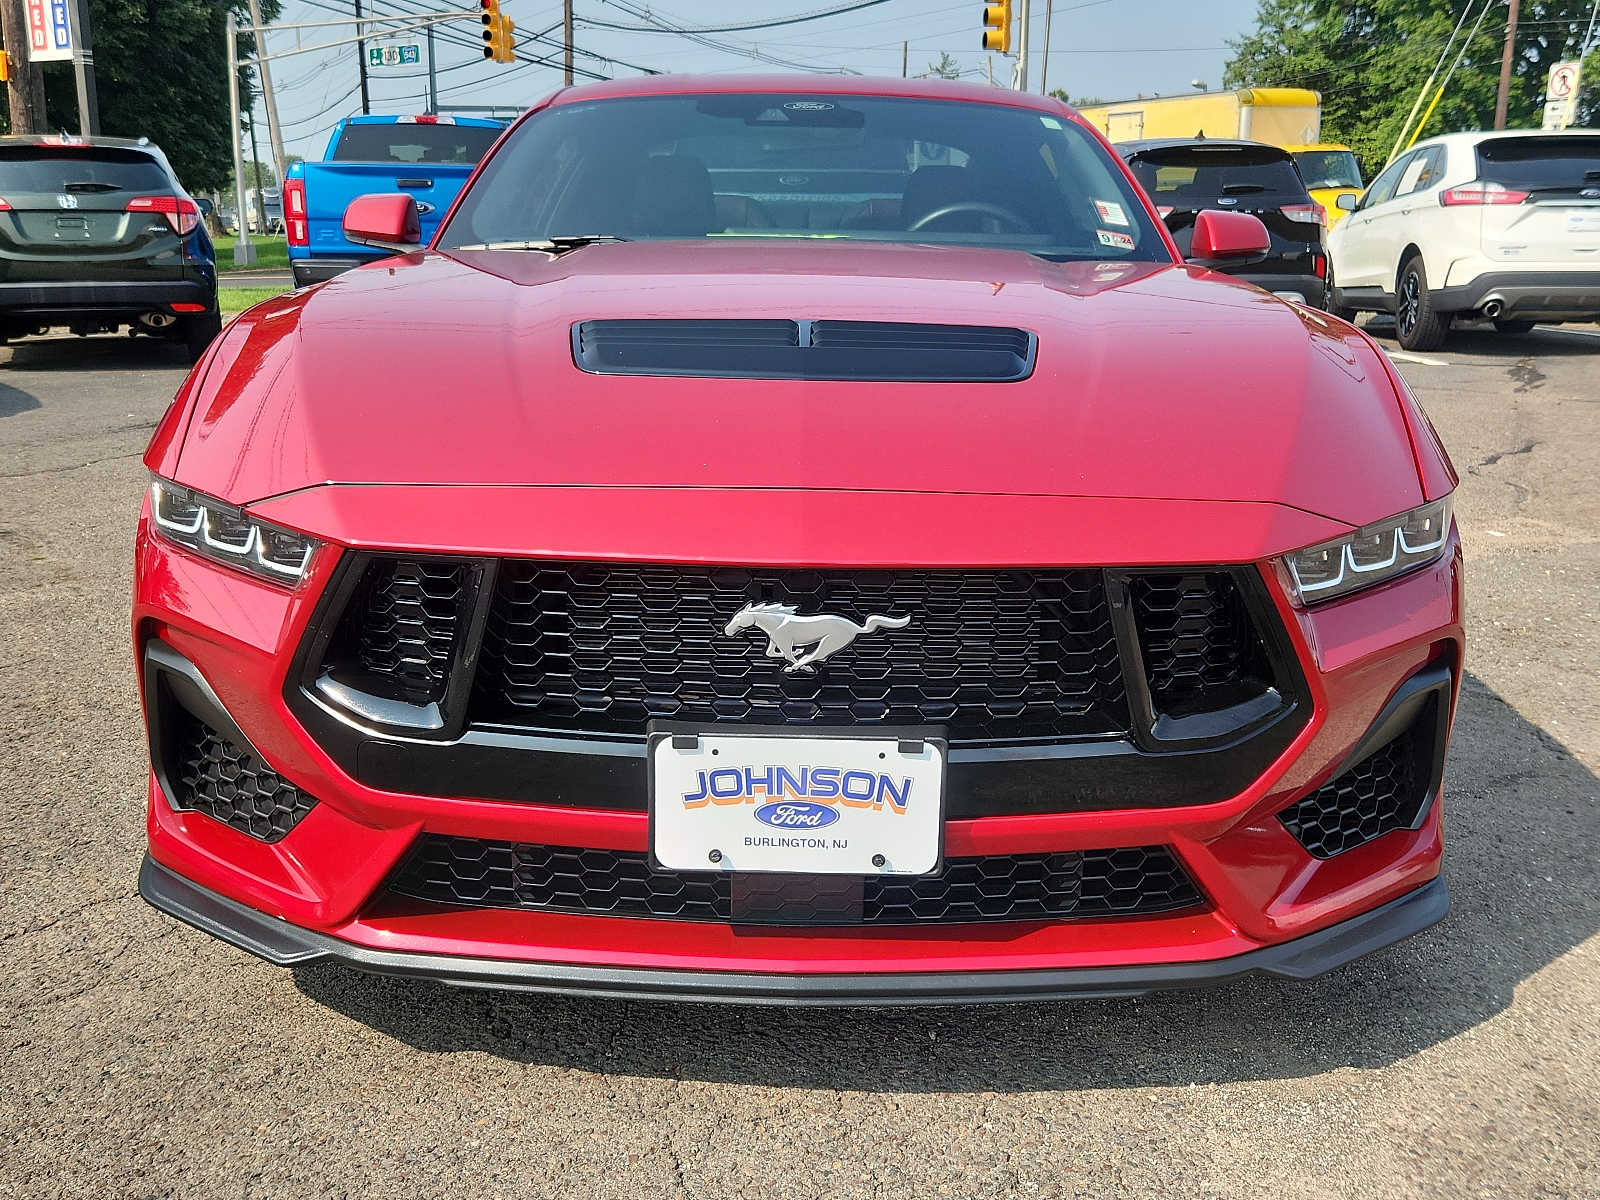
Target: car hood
<point>1151,381</point>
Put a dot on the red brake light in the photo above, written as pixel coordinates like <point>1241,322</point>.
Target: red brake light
<point>1163,211</point>
<point>1319,266</point>
<point>1480,192</point>
<point>295,230</point>
<point>1310,214</point>
<point>182,213</point>
<point>5,205</point>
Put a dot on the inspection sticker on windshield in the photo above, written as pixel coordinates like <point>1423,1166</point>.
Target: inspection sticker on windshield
<point>1118,241</point>
<point>1111,212</point>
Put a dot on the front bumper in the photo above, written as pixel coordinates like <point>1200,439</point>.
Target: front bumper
<point>326,887</point>
<point>287,945</point>
<point>1528,295</point>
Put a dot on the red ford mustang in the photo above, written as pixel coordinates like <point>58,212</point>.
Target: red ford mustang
<point>798,540</point>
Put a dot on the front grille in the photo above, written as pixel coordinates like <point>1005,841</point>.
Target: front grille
<point>1026,887</point>
<point>1383,792</point>
<point>210,774</point>
<point>1201,650</point>
<point>990,655</point>
<point>402,625</point>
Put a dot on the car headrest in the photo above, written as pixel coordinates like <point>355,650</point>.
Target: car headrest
<point>672,197</point>
<point>931,188</point>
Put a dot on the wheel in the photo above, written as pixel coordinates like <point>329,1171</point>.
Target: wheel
<point>1513,326</point>
<point>1416,325</point>
<point>198,333</point>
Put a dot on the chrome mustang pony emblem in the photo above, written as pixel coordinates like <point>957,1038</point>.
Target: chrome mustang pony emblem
<point>788,634</point>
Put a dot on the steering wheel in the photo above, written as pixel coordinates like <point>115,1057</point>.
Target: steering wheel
<point>994,211</point>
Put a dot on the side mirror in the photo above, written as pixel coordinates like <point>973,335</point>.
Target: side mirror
<point>387,220</point>
<point>1228,239</point>
<point>1347,202</point>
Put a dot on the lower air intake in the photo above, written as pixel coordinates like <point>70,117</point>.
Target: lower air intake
<point>212,775</point>
<point>1023,887</point>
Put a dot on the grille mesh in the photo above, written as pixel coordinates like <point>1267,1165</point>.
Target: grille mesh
<point>408,613</point>
<point>227,782</point>
<point>1201,650</point>
<point>1381,793</point>
<point>991,655</point>
<point>1093,883</point>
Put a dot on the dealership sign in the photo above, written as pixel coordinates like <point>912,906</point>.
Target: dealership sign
<point>49,30</point>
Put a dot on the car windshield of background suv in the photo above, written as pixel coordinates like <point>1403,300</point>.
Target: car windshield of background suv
<point>1195,176</point>
<point>860,168</point>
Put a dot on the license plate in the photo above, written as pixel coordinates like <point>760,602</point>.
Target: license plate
<point>813,805</point>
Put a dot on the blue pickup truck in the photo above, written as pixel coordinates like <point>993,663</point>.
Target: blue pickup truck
<point>427,157</point>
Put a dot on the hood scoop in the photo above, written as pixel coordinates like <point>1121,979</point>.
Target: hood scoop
<point>854,351</point>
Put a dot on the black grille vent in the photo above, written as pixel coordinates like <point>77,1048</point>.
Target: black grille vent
<point>866,351</point>
<point>403,623</point>
<point>210,774</point>
<point>1383,792</point>
<point>991,655</point>
<point>1201,650</point>
<point>1027,887</point>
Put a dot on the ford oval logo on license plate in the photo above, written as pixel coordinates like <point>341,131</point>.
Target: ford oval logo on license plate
<point>796,814</point>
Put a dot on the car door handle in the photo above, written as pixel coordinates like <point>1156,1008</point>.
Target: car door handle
<point>414,183</point>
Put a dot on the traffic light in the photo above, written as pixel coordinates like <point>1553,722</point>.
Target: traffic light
<point>997,26</point>
<point>498,44</point>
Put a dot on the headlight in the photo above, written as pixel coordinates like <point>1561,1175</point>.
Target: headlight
<point>229,536</point>
<point>1371,555</point>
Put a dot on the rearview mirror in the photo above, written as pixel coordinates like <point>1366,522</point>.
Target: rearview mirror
<point>1347,202</point>
<point>1228,239</point>
<point>387,220</point>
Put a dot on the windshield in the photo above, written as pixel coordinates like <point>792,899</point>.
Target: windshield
<point>861,168</point>
<point>1329,168</point>
<point>414,143</point>
<point>1196,176</point>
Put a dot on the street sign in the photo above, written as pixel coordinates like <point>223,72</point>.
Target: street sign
<point>49,31</point>
<point>395,54</point>
<point>1561,94</point>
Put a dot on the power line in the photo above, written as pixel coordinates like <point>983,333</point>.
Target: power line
<point>798,19</point>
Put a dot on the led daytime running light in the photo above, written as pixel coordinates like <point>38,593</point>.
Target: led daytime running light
<point>212,530</point>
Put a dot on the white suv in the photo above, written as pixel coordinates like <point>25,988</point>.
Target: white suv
<point>1504,226</point>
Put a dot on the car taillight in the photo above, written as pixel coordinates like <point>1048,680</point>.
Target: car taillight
<point>1310,214</point>
<point>5,205</point>
<point>294,213</point>
<point>1319,266</point>
<point>1163,211</point>
<point>1481,192</point>
<point>182,213</point>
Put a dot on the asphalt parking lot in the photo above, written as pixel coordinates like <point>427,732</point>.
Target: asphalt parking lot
<point>144,1059</point>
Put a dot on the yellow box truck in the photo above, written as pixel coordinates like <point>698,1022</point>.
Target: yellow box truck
<point>1278,116</point>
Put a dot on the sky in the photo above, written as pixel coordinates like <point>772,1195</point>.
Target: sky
<point>1112,49</point>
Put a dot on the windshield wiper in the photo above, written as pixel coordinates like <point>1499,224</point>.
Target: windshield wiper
<point>1239,189</point>
<point>559,244</point>
<point>90,186</point>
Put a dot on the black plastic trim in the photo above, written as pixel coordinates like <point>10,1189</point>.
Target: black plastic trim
<point>857,351</point>
<point>287,945</point>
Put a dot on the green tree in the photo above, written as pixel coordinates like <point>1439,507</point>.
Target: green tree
<point>161,73</point>
<point>1369,58</point>
<point>945,68</point>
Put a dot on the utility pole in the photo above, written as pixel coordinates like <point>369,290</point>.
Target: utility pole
<point>255,164</point>
<point>1504,95</point>
<point>25,89</point>
<point>279,162</point>
<point>83,68</point>
<point>244,250</point>
<point>566,37</point>
<point>433,79</point>
<point>1019,73</point>
<point>905,57</point>
<point>361,59</point>
<point>1044,63</point>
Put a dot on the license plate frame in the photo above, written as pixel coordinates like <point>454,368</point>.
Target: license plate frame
<point>920,848</point>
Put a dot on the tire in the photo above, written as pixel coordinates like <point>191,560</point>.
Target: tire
<point>198,333</point>
<point>1417,326</point>
<point>1513,326</point>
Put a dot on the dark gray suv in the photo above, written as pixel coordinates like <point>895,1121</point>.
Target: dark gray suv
<point>97,234</point>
